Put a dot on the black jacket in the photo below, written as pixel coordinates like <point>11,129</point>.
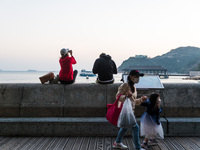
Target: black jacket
<point>153,111</point>
<point>105,67</point>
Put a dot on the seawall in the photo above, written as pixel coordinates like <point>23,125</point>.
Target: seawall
<point>37,104</point>
<point>89,100</point>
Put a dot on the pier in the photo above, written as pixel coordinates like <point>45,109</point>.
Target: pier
<point>43,114</point>
<point>149,70</point>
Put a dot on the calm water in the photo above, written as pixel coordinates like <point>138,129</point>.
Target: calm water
<point>33,77</point>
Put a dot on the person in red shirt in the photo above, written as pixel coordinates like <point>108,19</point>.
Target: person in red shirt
<point>66,74</point>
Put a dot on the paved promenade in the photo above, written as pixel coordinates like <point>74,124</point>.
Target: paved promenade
<point>91,143</point>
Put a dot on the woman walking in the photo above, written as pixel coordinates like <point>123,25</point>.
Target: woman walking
<point>128,89</point>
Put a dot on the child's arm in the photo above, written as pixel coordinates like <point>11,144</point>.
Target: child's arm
<point>160,110</point>
<point>158,117</point>
<point>140,100</point>
<point>157,112</point>
<point>144,103</point>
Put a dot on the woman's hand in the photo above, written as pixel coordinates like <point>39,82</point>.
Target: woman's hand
<point>128,94</point>
<point>144,98</point>
<point>70,51</point>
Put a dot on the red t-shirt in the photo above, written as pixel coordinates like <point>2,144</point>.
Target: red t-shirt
<point>66,72</point>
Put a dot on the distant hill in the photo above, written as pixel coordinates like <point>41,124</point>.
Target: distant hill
<point>179,60</point>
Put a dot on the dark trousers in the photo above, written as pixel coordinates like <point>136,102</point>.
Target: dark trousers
<point>98,81</point>
<point>71,81</point>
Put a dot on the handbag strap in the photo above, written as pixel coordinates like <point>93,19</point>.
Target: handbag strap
<point>116,102</point>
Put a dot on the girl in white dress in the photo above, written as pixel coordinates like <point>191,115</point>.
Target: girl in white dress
<point>150,125</point>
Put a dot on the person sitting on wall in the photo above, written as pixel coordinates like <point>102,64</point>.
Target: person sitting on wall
<point>66,74</point>
<point>105,67</point>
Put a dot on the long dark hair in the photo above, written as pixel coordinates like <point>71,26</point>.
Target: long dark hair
<point>131,83</point>
<point>153,98</point>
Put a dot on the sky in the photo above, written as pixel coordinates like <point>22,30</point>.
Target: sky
<point>32,32</point>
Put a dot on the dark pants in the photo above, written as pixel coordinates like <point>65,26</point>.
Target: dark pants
<point>71,81</point>
<point>110,82</point>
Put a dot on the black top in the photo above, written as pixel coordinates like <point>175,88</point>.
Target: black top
<point>105,67</point>
<point>153,111</point>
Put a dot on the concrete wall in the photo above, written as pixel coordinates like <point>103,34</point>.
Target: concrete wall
<point>89,100</point>
<point>80,109</point>
<point>181,100</point>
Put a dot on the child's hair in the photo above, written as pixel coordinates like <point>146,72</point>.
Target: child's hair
<point>153,98</point>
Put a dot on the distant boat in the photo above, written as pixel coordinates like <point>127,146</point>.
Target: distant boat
<point>85,73</point>
<point>192,78</point>
<point>31,70</point>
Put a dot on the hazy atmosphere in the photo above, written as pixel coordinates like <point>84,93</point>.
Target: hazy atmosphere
<point>32,32</point>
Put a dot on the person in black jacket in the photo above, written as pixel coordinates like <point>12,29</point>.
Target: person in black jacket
<point>105,67</point>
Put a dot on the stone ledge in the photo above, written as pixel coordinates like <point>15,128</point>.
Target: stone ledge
<point>89,100</point>
<point>87,126</point>
<point>184,126</point>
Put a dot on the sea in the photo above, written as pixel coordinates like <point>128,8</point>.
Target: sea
<point>33,77</point>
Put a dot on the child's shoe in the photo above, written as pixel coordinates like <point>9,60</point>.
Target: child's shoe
<point>119,145</point>
<point>152,142</point>
<point>145,145</point>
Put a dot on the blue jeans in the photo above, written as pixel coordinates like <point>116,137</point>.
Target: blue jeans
<point>135,134</point>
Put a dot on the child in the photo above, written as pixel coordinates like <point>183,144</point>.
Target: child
<point>150,125</point>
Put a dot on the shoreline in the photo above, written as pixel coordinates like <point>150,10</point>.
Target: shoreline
<point>33,77</point>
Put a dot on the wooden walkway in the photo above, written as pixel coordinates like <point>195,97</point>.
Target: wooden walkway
<point>91,143</point>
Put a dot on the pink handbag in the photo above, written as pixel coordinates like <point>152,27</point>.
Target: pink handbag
<point>113,111</point>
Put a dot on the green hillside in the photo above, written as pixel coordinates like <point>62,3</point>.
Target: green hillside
<point>179,60</point>
<point>136,62</point>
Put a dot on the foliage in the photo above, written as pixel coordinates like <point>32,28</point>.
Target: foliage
<point>179,60</point>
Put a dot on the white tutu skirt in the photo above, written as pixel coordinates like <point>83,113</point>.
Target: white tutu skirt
<point>149,128</point>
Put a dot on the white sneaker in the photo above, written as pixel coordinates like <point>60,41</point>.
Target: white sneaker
<point>119,145</point>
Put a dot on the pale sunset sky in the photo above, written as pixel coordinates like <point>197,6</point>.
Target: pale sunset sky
<point>32,32</point>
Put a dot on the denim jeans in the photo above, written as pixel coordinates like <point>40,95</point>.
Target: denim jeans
<point>135,134</point>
